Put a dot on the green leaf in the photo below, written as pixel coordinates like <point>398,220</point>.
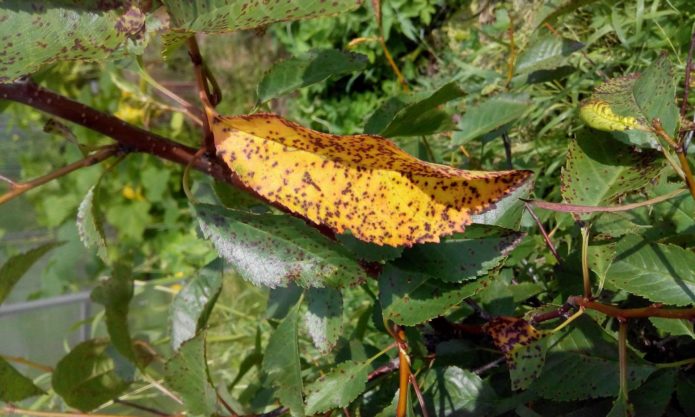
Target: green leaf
<point>679,211</point>
<point>187,373</point>
<point>275,250</point>
<point>601,256</point>
<point>673,327</point>
<point>324,318</point>
<point>490,114</point>
<point>15,386</point>
<point>43,32</point>
<point>545,53</point>
<point>423,117</point>
<point>89,224</point>
<point>411,298</point>
<point>115,294</point>
<point>191,307</point>
<point>16,266</point>
<point>621,407</point>
<point>219,16</point>
<point>652,398</point>
<point>367,251</point>
<point>685,392</point>
<point>313,67</point>
<point>456,392</point>
<point>627,105</point>
<point>463,257</point>
<point>281,363</point>
<point>508,211</point>
<point>658,272</point>
<point>598,171</point>
<point>338,388</point>
<point>92,374</point>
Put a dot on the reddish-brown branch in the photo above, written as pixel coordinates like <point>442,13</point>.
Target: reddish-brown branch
<point>548,242</point>
<point>207,98</point>
<point>633,313</point>
<point>688,72</point>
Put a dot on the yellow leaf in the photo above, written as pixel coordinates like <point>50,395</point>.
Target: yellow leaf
<point>599,115</point>
<point>361,183</point>
<point>508,333</point>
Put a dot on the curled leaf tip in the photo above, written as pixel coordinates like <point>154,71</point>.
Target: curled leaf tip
<point>361,183</point>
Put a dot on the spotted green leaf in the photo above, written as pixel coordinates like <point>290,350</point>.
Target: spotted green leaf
<point>89,225</point>
<point>338,388</point>
<point>290,250</point>
<point>324,317</point>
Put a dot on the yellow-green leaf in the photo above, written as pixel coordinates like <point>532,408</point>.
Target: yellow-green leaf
<point>361,183</point>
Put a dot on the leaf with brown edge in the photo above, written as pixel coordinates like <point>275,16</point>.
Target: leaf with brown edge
<point>361,183</point>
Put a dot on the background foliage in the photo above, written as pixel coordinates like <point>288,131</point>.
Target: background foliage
<point>182,330</point>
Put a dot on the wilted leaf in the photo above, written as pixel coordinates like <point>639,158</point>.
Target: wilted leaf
<point>38,33</point>
<point>313,67</point>
<point>360,183</point>
<point>89,224</point>
<point>324,318</point>
<point>16,266</point>
<point>338,388</point>
<point>627,105</point>
<point>15,386</point>
<point>191,307</point>
<point>658,272</point>
<point>489,115</point>
<point>523,346</point>
<point>281,363</point>
<point>276,250</point>
<point>187,373</point>
<point>411,298</point>
<point>92,374</point>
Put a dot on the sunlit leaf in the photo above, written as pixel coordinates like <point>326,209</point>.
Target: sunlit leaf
<point>313,67</point>
<point>673,327</point>
<point>276,250</point>
<point>16,266</point>
<point>453,391</point>
<point>187,373</point>
<point>338,388</point>
<point>360,183</point>
<point>191,308</point>
<point>89,224</point>
<point>15,386</point>
<point>92,374</point>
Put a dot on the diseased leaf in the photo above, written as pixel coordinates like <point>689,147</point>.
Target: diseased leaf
<point>187,374</point>
<point>338,388</point>
<point>89,224</point>
<point>115,294</point>
<point>411,298</point>
<point>191,307</point>
<point>545,53</point>
<point>281,363</point>
<point>489,115</point>
<point>313,67</point>
<point>37,33</point>
<point>598,171</point>
<point>92,374</point>
<point>462,257</point>
<point>658,272</point>
<point>15,386</point>
<point>276,250</point>
<point>219,16</point>
<point>524,348</point>
<point>360,183</point>
<point>627,105</point>
<point>324,318</point>
<point>16,266</point>
<point>422,117</point>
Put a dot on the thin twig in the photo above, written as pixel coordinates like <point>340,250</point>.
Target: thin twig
<point>548,242</point>
<point>688,71</point>
<point>404,371</point>
<point>507,150</point>
<point>141,407</point>
<point>18,189</point>
<point>206,97</point>
<point>682,158</point>
<point>27,362</point>
<point>489,366</point>
<point>622,356</point>
<point>580,209</point>
<point>11,410</point>
<point>418,394</point>
<point>633,313</point>
<point>585,261</point>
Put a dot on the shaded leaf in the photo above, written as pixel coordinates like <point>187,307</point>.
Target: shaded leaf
<point>291,252</point>
<point>621,407</point>
<point>410,298</point>
<point>282,366</point>
<point>679,211</point>
<point>192,305</point>
<point>350,182</point>
<point>546,53</point>
<point>36,34</point>
<point>685,392</point>
<point>115,294</point>
<point>456,392</point>
<point>652,398</point>
<point>313,67</point>
<point>89,224</point>
<point>462,257</point>
<point>187,374</point>
<point>370,252</point>
<point>658,272</point>
<point>92,374</point>
<point>523,346</point>
<point>422,117</point>
<point>490,114</point>
<point>16,266</point>
<point>324,317</point>
<point>338,388</point>
<point>281,300</point>
<point>15,386</point>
